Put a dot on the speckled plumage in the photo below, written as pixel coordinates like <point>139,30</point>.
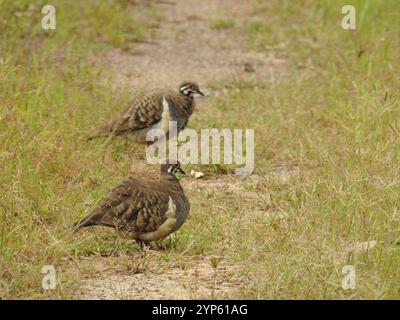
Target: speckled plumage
<point>147,210</point>
<point>148,112</point>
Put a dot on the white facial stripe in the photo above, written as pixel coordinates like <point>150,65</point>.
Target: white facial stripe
<point>187,91</point>
<point>173,169</point>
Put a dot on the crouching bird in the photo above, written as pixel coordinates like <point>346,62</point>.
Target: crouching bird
<point>145,210</point>
<point>154,111</point>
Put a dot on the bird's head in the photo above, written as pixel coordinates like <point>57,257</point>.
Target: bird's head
<point>170,169</point>
<point>188,89</point>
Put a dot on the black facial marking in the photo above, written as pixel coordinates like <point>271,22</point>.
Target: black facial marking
<point>174,168</point>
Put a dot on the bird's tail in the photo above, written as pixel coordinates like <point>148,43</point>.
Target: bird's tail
<point>85,222</point>
<point>102,132</point>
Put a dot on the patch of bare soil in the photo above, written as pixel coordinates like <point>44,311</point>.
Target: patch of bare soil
<point>236,184</point>
<point>188,48</point>
<point>191,280</point>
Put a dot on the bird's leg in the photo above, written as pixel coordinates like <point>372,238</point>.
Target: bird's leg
<point>144,245</point>
<point>140,245</point>
<point>126,142</point>
<point>160,246</point>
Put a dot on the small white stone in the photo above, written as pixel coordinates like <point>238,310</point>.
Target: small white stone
<point>196,174</point>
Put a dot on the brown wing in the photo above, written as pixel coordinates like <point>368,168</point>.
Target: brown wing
<point>141,113</point>
<point>134,205</point>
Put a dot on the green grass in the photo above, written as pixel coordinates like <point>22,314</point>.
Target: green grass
<point>223,24</point>
<point>327,151</point>
<point>334,117</point>
<point>50,93</point>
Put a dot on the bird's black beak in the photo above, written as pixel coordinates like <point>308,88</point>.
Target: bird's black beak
<point>179,173</point>
<point>200,93</point>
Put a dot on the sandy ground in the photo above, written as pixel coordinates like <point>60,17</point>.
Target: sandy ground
<point>197,280</point>
<point>186,48</point>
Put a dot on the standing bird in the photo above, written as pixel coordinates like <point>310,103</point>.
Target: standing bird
<point>154,111</point>
<point>146,210</point>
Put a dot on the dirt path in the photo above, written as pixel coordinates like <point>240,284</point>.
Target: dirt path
<point>186,48</point>
<point>192,279</point>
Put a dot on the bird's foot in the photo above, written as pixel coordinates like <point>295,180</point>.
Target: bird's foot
<point>159,246</point>
<point>145,246</point>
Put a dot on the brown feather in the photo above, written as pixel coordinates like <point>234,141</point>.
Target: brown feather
<point>139,207</point>
<point>144,112</point>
